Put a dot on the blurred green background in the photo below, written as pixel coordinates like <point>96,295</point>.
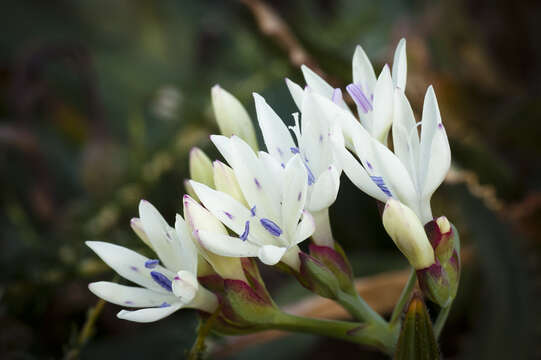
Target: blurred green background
<point>100,102</point>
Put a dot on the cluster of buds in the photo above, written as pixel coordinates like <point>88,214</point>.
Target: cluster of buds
<point>263,204</point>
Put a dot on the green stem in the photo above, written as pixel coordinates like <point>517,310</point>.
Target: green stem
<point>440,320</point>
<point>199,345</point>
<point>404,297</point>
<point>360,333</point>
<point>357,307</point>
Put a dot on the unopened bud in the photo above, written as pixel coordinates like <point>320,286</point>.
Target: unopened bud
<point>315,276</point>
<point>407,232</point>
<point>232,117</point>
<point>201,167</point>
<point>225,181</point>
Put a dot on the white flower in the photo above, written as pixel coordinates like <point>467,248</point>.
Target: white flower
<point>373,97</point>
<point>164,288</point>
<point>313,136</point>
<point>417,167</point>
<point>269,227</point>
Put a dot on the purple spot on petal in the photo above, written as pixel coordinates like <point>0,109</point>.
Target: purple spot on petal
<point>378,180</point>
<point>440,125</point>
<point>311,177</point>
<point>252,210</point>
<point>359,97</point>
<point>164,305</point>
<point>320,138</point>
<point>128,302</point>
<point>176,277</point>
<point>299,196</point>
<point>369,165</point>
<point>161,280</point>
<point>271,227</point>
<point>134,268</point>
<point>294,150</point>
<point>151,264</point>
<point>283,166</point>
<point>336,96</point>
<point>280,151</point>
<point>257,183</point>
<point>228,215</point>
<point>244,235</point>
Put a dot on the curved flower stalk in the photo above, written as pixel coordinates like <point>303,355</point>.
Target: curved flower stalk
<point>417,167</point>
<point>274,221</point>
<point>164,288</point>
<point>313,144</point>
<point>373,97</point>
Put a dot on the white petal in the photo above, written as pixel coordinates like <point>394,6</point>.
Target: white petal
<point>435,154</point>
<point>275,133</point>
<point>129,264</point>
<point>274,168</point>
<point>363,72</point>
<point>225,181</point>
<point>306,227</point>
<point>316,83</point>
<point>225,245</point>
<point>137,227</point>
<point>270,254</point>
<point>382,116</point>
<point>405,136</point>
<point>129,296</point>
<point>297,93</point>
<point>163,237</point>
<point>185,286</point>
<point>400,65</point>
<point>294,195</point>
<point>149,314</point>
<point>222,143</point>
<point>188,250</point>
<point>229,211</point>
<point>325,190</point>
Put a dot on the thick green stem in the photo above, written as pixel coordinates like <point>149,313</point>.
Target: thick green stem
<point>360,333</point>
<point>357,307</point>
<point>440,320</point>
<point>404,298</point>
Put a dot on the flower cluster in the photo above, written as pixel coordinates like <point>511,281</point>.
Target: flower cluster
<point>262,204</point>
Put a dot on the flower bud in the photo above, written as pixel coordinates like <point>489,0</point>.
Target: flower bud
<point>417,339</point>
<point>225,181</point>
<point>201,167</point>
<point>407,232</point>
<point>198,218</point>
<point>245,306</point>
<point>336,262</point>
<point>315,276</point>
<point>440,281</point>
<point>232,117</point>
<point>189,190</point>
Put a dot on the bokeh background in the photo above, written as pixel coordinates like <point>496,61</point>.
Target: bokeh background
<point>100,102</point>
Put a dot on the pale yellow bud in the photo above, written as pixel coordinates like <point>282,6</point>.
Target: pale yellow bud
<point>225,181</point>
<point>232,117</point>
<point>407,232</point>
<point>201,167</point>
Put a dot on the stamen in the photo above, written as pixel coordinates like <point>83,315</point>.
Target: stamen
<point>378,180</point>
<point>311,177</point>
<point>294,150</point>
<point>257,183</point>
<point>252,210</point>
<point>151,264</point>
<point>280,152</point>
<point>299,196</point>
<point>271,227</point>
<point>244,235</point>
<point>164,305</point>
<point>161,280</point>
<point>359,97</point>
<point>128,302</point>
<point>228,215</point>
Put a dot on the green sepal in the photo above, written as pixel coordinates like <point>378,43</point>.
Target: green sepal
<point>417,340</point>
<point>336,261</point>
<point>317,277</point>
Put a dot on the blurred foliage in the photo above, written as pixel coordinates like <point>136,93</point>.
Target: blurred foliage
<point>100,102</point>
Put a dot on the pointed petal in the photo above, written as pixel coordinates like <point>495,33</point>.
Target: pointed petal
<point>188,250</point>
<point>400,65</point>
<point>149,314</point>
<point>297,93</point>
<point>225,181</point>
<point>225,245</point>
<point>275,133</point>
<point>325,190</point>
<point>383,106</point>
<point>222,143</point>
<point>270,254</point>
<point>316,83</point>
<point>129,296</point>
<point>294,195</point>
<point>137,227</point>
<point>363,72</point>
<point>128,264</point>
<point>273,167</point>
<point>163,238</point>
<point>435,154</point>
<point>405,137</point>
<point>306,227</point>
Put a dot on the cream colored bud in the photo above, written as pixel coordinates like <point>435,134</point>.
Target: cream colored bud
<point>443,224</point>
<point>201,167</point>
<point>232,117</point>
<point>198,219</point>
<point>407,232</point>
<point>225,181</point>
